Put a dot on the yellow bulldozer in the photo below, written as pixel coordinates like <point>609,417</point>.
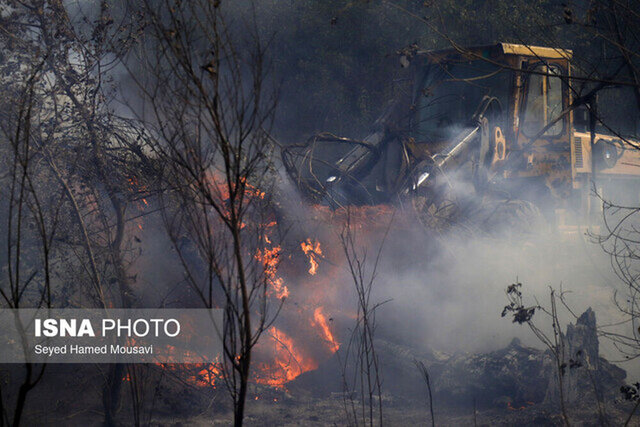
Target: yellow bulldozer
<point>503,123</point>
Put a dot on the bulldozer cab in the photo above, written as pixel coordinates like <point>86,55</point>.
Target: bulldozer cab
<point>519,94</point>
<point>529,147</point>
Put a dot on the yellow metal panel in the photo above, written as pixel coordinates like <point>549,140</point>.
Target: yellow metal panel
<point>536,51</point>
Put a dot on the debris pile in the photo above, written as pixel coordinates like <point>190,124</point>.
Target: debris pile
<point>519,376</point>
<point>514,377</point>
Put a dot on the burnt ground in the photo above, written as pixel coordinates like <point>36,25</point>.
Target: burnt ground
<point>515,385</point>
<point>78,403</point>
<point>330,412</point>
<point>70,397</point>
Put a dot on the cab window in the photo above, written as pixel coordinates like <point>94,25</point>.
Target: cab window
<point>450,93</point>
<point>543,101</point>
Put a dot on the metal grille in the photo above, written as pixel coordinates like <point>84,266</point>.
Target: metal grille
<point>578,151</point>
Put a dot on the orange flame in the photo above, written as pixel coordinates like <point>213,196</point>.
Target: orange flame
<point>313,252</point>
<point>270,258</point>
<point>289,361</point>
<point>320,320</point>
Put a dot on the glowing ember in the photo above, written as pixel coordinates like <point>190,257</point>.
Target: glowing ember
<point>198,374</point>
<point>289,361</point>
<point>320,320</point>
<point>313,251</point>
<point>518,408</point>
<point>208,375</point>
<point>221,188</point>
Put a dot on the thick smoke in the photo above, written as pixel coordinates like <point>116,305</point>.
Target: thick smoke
<point>445,291</point>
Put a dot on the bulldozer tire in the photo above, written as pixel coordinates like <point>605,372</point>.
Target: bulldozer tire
<point>516,218</point>
<point>435,215</point>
